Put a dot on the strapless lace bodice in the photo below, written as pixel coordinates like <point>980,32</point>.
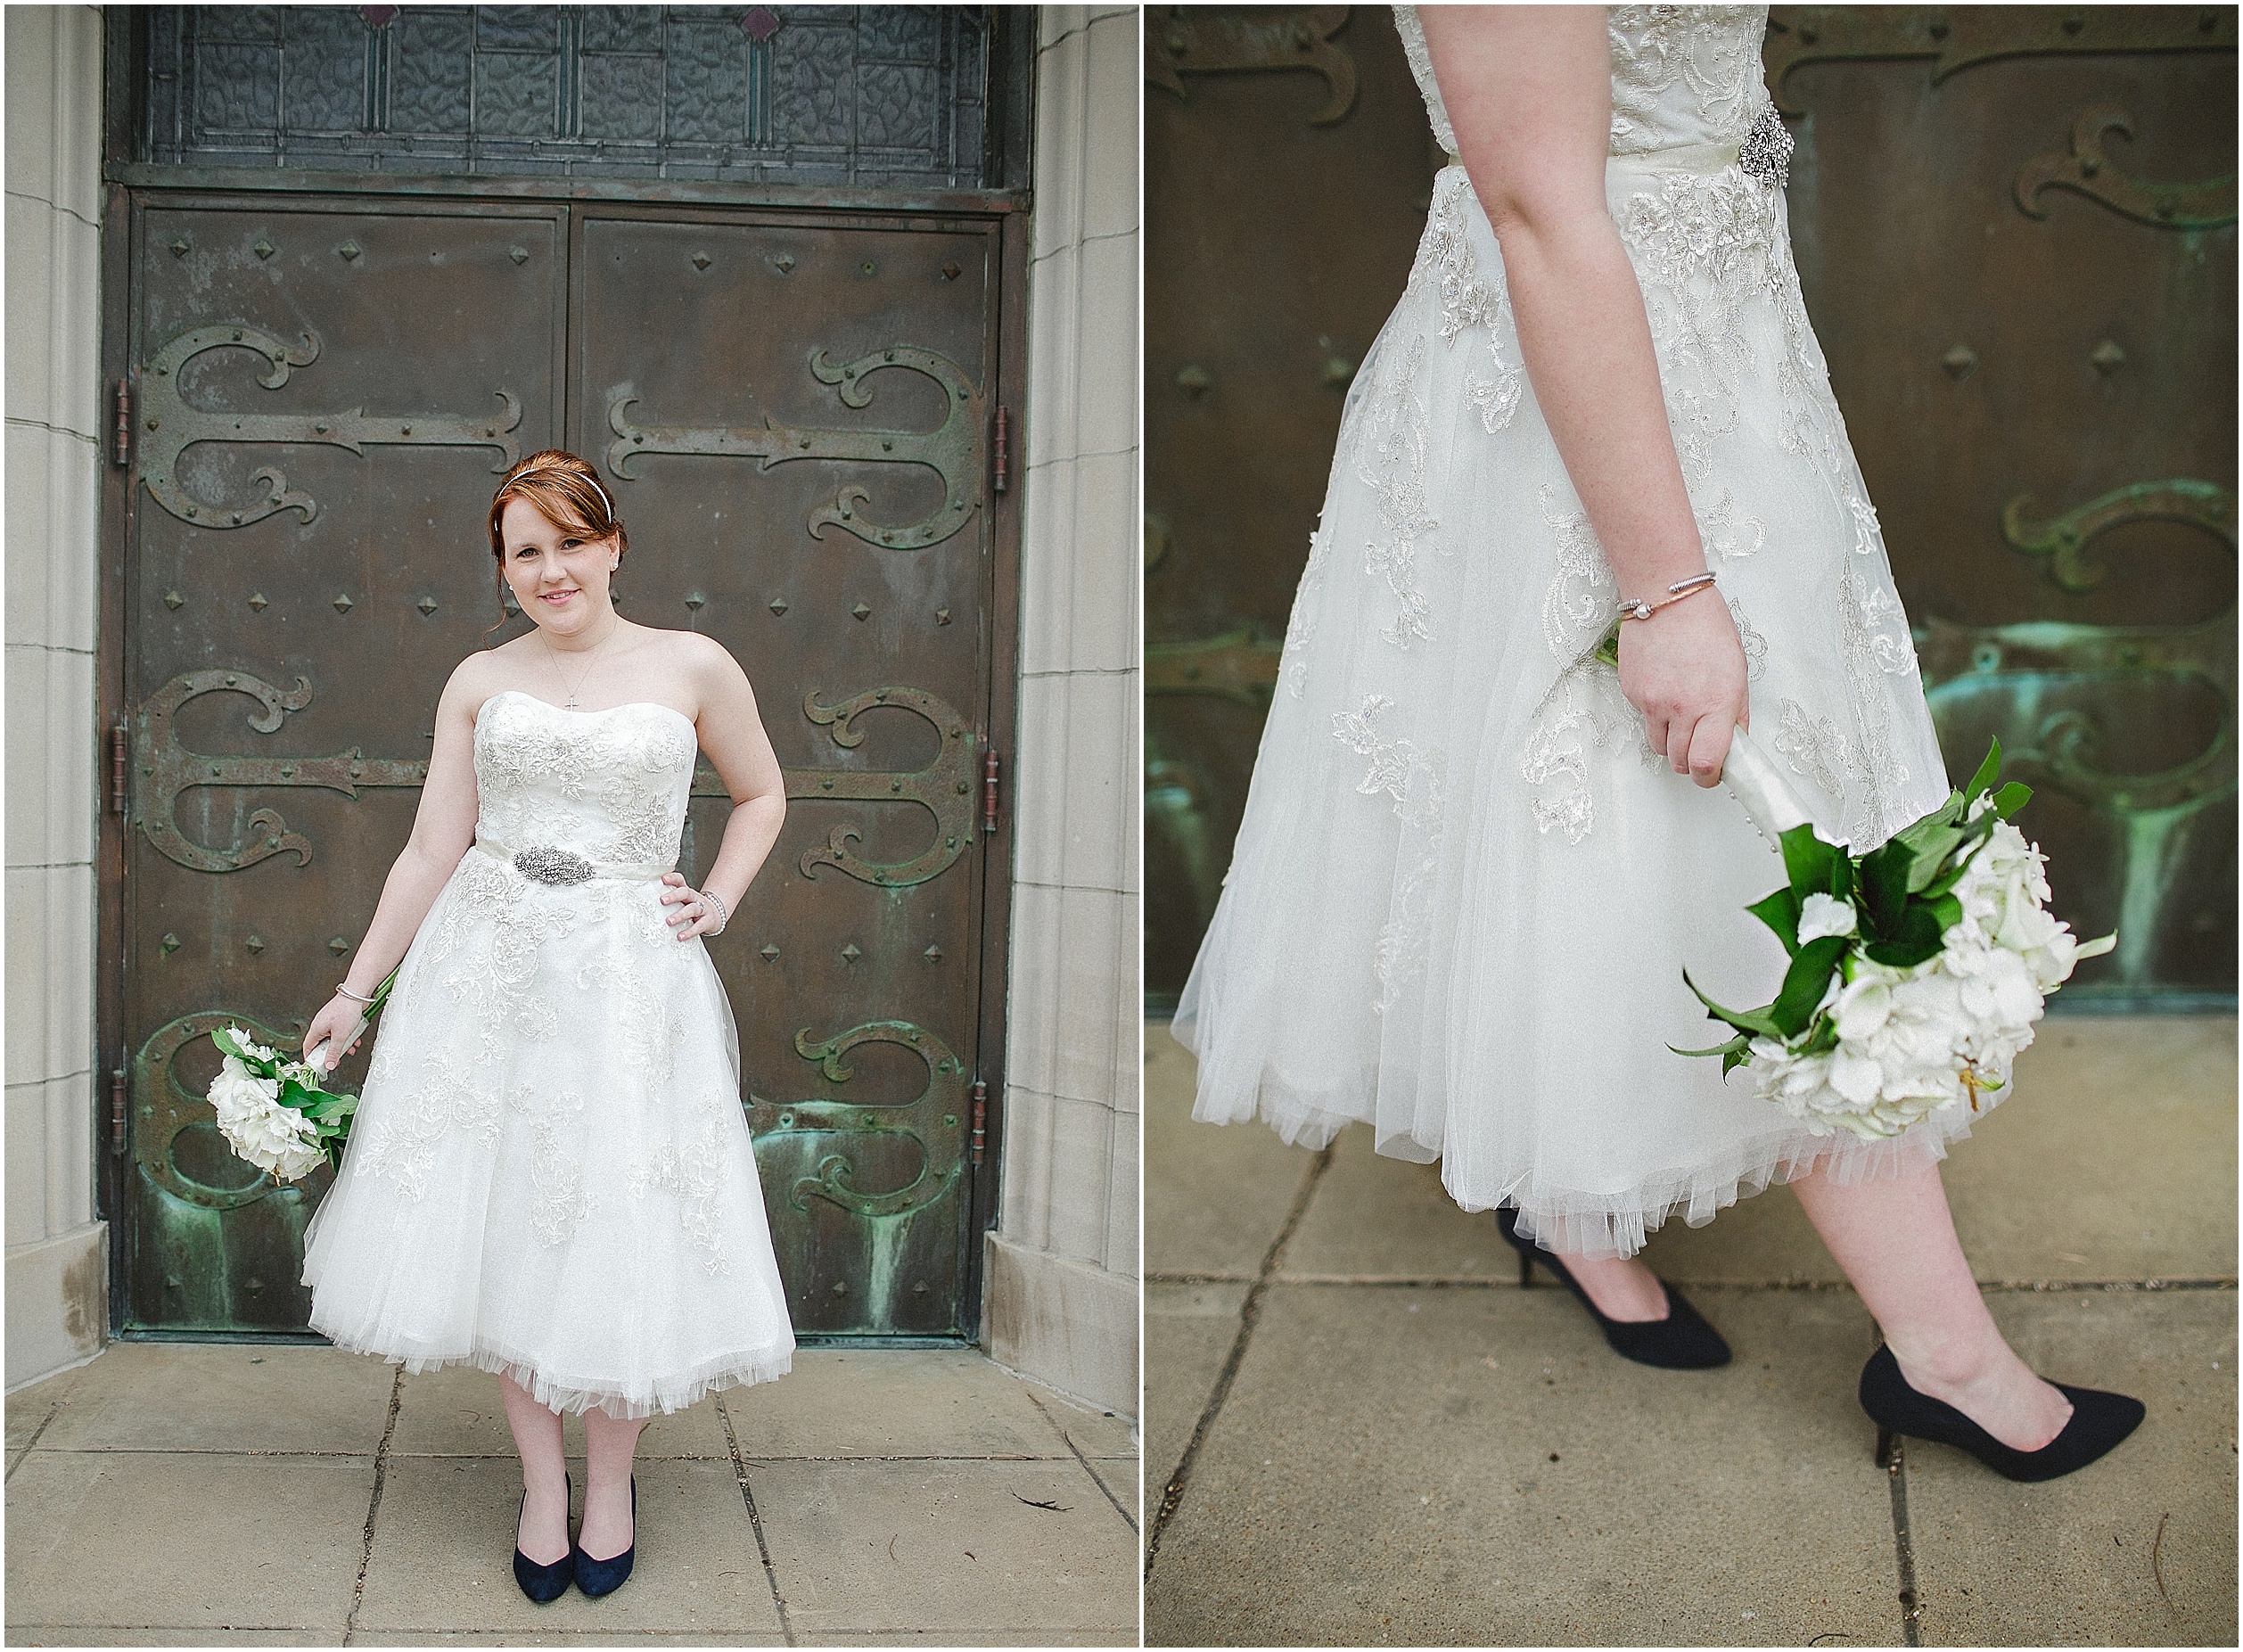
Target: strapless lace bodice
<point>609,785</point>
<point>1682,75</point>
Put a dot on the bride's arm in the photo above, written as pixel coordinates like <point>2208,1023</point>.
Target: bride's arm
<point>733,735</point>
<point>1529,92</point>
<point>443,830</point>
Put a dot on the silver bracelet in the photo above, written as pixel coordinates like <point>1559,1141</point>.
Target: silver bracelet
<point>363,998</point>
<point>724,914</point>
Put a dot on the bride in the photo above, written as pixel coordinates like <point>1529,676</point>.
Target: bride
<point>549,1173</point>
<point>1472,863</point>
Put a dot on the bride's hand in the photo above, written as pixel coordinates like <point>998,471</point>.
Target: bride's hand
<point>689,914</point>
<point>1684,669</point>
<point>337,1018</point>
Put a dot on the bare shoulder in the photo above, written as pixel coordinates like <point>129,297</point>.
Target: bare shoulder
<point>473,680</point>
<point>705,663</point>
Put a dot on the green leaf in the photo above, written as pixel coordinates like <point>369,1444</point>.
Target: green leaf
<point>1734,1059</point>
<point>1987,772</point>
<point>1780,912</point>
<point>1742,1041</point>
<point>1808,861</point>
<point>1885,887</point>
<point>1935,850</point>
<point>2011,798</point>
<point>1946,815</point>
<point>1805,982</point>
<point>1946,911</point>
<point>1916,938</point>
<point>1742,1020</point>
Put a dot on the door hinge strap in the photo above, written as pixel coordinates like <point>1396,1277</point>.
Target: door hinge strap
<point>117,1110</point>
<point>980,1117</point>
<point>119,764</point>
<point>1001,450</point>
<point>122,449</point>
<point>991,779</point>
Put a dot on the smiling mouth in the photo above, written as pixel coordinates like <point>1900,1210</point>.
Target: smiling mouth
<point>554,596</point>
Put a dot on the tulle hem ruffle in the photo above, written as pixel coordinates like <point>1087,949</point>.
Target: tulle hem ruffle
<point>1585,1223</point>
<point>577,1393</point>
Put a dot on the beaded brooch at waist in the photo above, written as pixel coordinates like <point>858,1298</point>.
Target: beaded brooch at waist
<point>548,865</point>
<point>1764,153</point>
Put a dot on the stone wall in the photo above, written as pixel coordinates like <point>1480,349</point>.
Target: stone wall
<point>57,1279</point>
<point>1061,1301</point>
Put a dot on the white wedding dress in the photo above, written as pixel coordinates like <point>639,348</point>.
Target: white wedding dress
<point>1465,889</point>
<point>549,1173</point>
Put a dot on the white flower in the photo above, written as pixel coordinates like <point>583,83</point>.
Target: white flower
<point>1822,915</point>
<point>249,1047</point>
<point>267,1134</point>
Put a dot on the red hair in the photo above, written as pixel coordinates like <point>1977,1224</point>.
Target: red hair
<point>567,491</point>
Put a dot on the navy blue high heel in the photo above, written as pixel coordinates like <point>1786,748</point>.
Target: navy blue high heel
<point>2100,1420</point>
<point>543,1584</point>
<point>1682,1342</point>
<point>603,1577</point>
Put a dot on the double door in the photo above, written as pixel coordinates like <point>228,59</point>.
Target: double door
<point>801,417</point>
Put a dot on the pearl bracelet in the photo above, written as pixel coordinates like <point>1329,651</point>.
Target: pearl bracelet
<point>724,914</point>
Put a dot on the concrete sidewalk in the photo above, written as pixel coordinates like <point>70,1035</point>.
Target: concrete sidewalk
<point>1360,1430</point>
<point>194,1494</point>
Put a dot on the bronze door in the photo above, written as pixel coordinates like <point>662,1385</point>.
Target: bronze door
<point>2015,228</point>
<point>1287,175</point>
<point>317,392</point>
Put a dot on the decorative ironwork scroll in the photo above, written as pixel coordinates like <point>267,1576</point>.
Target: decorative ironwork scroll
<point>940,1148</point>
<point>1957,37</point>
<point>2020,667</point>
<point>956,450</point>
<point>1187,42</point>
<point>164,1109</point>
<point>169,424</point>
<point>2063,538</point>
<point>163,769</point>
<point>1235,666</point>
<point>2090,172</point>
<point>944,788</point>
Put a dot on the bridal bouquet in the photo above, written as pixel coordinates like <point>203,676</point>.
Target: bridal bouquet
<point>1917,970</point>
<point>277,1115</point>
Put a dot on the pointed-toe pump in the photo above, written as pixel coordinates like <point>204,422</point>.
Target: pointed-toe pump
<point>2100,1420</point>
<point>1682,1342</point>
<point>603,1577</point>
<point>543,1584</point>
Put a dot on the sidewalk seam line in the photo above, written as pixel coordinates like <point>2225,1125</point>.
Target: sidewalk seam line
<point>755,1521</point>
<point>1172,1495</point>
<point>1085,1461</point>
<point>1903,1546</point>
<point>53,1410</point>
<point>374,1505</point>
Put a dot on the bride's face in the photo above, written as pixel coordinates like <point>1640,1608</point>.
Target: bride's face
<point>559,576</point>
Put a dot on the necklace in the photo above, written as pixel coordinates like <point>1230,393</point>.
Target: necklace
<point>570,703</point>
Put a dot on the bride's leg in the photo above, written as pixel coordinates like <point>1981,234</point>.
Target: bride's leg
<point>609,1445</point>
<point>544,1535</point>
<point>1896,1241</point>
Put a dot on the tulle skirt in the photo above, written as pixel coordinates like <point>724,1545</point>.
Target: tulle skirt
<point>549,1174</point>
<point>1464,890</point>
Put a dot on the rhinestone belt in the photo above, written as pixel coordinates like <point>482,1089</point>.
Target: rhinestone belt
<point>549,864</point>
